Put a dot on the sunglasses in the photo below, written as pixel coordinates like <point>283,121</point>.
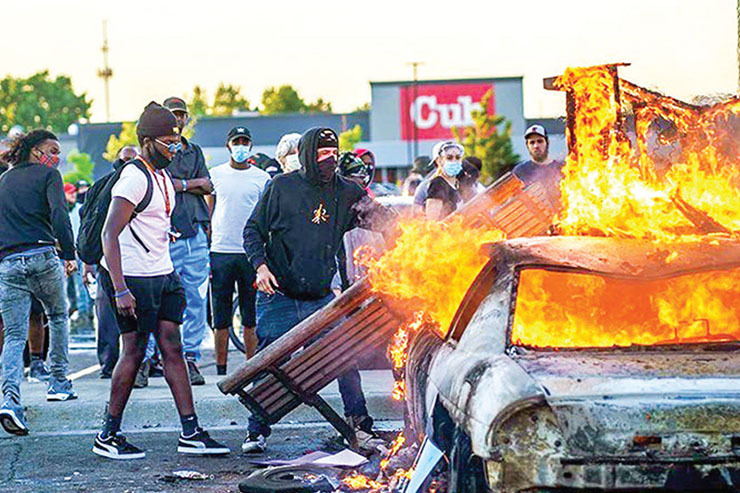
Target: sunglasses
<point>173,148</point>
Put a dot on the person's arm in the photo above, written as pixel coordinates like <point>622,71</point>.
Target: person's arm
<point>434,204</point>
<point>211,203</point>
<point>119,214</point>
<point>60,223</point>
<point>255,236</point>
<point>196,186</point>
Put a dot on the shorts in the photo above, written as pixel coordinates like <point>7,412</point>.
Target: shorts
<point>36,307</point>
<point>157,298</point>
<point>228,269</point>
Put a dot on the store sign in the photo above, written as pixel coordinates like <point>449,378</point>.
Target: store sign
<point>429,111</point>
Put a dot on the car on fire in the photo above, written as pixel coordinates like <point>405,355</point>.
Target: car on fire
<point>577,363</point>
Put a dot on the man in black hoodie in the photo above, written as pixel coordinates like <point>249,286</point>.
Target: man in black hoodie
<point>292,239</point>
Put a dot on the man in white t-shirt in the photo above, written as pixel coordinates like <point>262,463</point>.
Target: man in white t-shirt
<point>237,187</point>
<point>138,276</point>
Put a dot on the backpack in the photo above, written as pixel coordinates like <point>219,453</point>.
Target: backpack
<point>95,210</point>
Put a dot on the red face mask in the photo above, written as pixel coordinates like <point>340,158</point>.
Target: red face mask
<point>51,161</point>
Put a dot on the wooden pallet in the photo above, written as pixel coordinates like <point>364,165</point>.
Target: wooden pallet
<point>292,370</point>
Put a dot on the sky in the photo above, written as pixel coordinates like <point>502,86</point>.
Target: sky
<point>332,49</point>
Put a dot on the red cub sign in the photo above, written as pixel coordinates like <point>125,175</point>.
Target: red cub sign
<point>439,107</point>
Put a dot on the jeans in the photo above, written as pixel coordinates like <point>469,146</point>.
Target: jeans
<point>191,260</point>
<point>276,315</point>
<point>41,275</point>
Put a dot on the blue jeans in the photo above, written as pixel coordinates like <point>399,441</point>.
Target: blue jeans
<point>192,263</point>
<point>40,275</point>
<point>276,315</point>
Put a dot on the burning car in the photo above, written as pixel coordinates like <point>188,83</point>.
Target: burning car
<point>588,363</point>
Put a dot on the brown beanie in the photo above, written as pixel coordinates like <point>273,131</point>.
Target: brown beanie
<point>156,121</point>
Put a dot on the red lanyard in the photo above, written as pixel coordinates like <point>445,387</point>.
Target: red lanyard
<point>164,192</point>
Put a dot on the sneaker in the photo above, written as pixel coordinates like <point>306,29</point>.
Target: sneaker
<point>254,444</point>
<point>142,376</point>
<point>116,447</point>
<point>60,390</point>
<point>367,439</point>
<point>195,377</point>
<point>155,369</point>
<point>11,419</point>
<point>38,372</point>
<point>200,443</point>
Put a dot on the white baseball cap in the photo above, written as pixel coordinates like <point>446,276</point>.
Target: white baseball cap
<point>536,130</point>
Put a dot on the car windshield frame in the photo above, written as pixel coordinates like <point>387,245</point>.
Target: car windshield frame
<point>704,345</point>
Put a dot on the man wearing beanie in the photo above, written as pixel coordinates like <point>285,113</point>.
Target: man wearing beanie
<point>190,221</point>
<point>292,240</point>
<point>138,276</point>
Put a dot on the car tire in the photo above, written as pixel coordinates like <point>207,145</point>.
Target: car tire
<point>286,479</point>
<point>465,471</point>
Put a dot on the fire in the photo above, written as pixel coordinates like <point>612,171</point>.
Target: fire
<point>675,174</point>
<point>395,447</point>
<point>398,351</point>
<point>383,483</point>
<point>431,266</point>
<point>565,309</point>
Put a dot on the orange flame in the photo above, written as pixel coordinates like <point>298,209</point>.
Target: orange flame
<point>398,351</point>
<point>686,185</point>
<point>431,265</point>
<point>566,309</point>
<point>395,447</point>
<point>383,483</point>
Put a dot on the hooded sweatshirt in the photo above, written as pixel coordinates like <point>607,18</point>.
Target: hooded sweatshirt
<point>298,225</point>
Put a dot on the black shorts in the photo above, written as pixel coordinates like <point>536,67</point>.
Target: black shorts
<point>157,298</point>
<point>228,269</point>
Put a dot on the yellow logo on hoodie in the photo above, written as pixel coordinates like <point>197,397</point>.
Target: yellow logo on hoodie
<point>320,215</point>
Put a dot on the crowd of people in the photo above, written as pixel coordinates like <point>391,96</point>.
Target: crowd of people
<point>152,240</point>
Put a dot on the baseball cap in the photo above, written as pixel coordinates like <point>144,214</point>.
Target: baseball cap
<point>69,188</point>
<point>239,131</point>
<point>82,183</point>
<point>536,129</point>
<point>175,104</point>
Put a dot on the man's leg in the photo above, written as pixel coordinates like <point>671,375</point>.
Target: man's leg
<point>37,371</point>
<point>15,306</point>
<point>108,335</point>
<point>223,277</point>
<point>247,301</point>
<point>175,370</point>
<point>134,346</point>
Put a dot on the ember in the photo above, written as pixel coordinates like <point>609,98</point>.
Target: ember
<point>566,309</point>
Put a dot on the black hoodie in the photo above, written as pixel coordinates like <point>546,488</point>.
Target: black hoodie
<point>298,225</point>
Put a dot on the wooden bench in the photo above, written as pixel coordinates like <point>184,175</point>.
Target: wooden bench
<point>292,370</point>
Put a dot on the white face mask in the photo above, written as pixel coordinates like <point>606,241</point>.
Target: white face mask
<point>292,163</point>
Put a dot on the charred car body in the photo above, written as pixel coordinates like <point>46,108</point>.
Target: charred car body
<point>588,363</point>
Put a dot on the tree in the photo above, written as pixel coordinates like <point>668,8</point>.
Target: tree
<point>366,106</point>
<point>489,139</point>
<point>227,100</point>
<point>83,167</point>
<point>319,106</point>
<point>41,102</point>
<point>350,138</point>
<point>198,105</point>
<point>127,137</point>
<point>285,99</point>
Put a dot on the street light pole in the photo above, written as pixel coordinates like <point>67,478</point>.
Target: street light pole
<point>106,72</point>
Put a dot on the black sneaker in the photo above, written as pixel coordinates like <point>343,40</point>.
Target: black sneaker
<point>195,377</point>
<point>116,447</point>
<point>200,443</point>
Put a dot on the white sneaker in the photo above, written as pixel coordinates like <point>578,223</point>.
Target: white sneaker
<point>254,444</point>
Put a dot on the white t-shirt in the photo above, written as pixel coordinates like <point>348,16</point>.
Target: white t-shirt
<point>237,192</point>
<point>152,225</point>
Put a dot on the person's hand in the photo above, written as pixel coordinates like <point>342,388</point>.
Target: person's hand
<point>70,267</point>
<point>126,305</point>
<point>266,282</point>
<point>88,274</point>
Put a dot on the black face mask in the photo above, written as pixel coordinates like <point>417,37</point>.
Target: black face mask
<point>327,169</point>
<point>159,160</point>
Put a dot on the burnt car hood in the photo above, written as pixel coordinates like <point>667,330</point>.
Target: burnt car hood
<point>603,401</point>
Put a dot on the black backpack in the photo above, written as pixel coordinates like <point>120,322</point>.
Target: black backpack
<point>95,210</point>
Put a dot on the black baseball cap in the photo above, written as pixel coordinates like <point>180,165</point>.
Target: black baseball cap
<point>175,104</point>
<point>238,132</point>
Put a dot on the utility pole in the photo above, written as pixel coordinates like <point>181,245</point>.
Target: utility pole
<point>415,91</point>
<point>106,72</point>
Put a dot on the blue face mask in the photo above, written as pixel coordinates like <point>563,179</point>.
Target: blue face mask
<point>240,153</point>
<point>453,168</point>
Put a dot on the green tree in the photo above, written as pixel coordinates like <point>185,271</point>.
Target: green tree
<point>83,167</point>
<point>366,106</point>
<point>319,106</point>
<point>227,100</point>
<point>350,138</point>
<point>489,139</point>
<point>40,101</point>
<point>127,137</point>
<point>284,99</point>
<point>198,105</point>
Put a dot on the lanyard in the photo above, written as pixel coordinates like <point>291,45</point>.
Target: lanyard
<point>164,192</point>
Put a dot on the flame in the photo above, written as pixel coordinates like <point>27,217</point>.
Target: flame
<point>431,266</point>
<point>613,186</point>
<point>383,483</point>
<point>395,447</point>
<point>398,351</point>
<point>567,309</point>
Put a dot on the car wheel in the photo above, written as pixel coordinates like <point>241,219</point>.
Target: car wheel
<point>287,479</point>
<point>465,472</point>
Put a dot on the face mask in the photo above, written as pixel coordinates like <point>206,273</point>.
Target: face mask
<point>327,168</point>
<point>50,160</point>
<point>159,160</point>
<point>453,168</point>
<point>239,153</point>
<point>292,163</point>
